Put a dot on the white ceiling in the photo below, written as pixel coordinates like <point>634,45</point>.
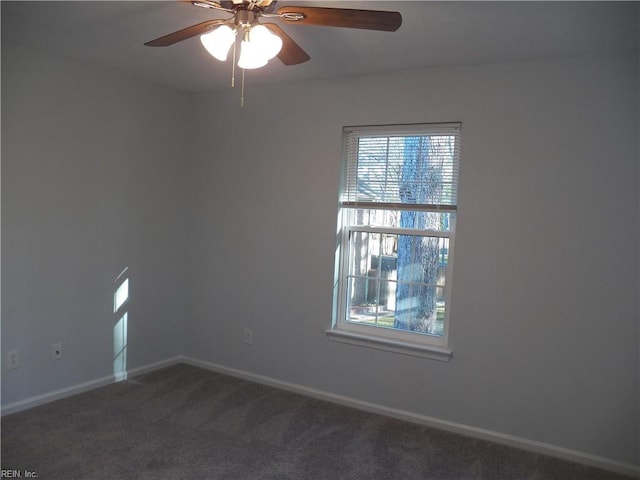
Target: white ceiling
<point>111,34</point>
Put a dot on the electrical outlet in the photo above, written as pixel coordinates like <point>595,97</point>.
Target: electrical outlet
<point>56,351</point>
<point>248,336</point>
<point>13,359</point>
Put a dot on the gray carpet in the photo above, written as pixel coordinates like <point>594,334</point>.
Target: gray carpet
<point>184,422</point>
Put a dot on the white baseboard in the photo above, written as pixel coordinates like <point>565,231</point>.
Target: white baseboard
<point>83,387</point>
<point>470,431</point>
<point>467,430</point>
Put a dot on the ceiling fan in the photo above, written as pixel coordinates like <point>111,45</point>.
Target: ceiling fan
<point>263,41</point>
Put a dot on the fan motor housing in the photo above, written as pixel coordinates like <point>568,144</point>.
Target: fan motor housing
<point>263,5</point>
<point>245,18</point>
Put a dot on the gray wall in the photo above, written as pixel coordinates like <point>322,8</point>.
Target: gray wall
<point>231,224</point>
<point>93,171</point>
<point>545,289</point>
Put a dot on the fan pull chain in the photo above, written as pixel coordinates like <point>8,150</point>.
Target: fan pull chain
<point>242,90</point>
<point>233,76</point>
<point>233,67</point>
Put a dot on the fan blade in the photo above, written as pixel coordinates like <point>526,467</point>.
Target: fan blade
<point>343,17</point>
<point>291,53</point>
<point>185,33</point>
<point>208,4</point>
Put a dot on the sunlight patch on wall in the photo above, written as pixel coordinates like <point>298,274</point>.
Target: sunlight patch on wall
<point>120,348</point>
<point>120,304</point>
<point>121,296</point>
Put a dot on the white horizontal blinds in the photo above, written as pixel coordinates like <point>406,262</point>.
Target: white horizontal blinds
<point>402,166</point>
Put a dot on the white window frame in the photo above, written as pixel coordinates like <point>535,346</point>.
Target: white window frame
<point>389,339</point>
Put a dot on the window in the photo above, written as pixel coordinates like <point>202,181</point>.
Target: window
<point>396,231</point>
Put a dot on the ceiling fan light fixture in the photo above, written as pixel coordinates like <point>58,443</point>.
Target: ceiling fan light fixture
<point>260,43</point>
<point>219,41</point>
<point>270,44</point>
<point>258,46</point>
<point>251,55</point>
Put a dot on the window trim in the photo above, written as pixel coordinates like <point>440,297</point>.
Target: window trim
<point>378,342</point>
<point>380,338</point>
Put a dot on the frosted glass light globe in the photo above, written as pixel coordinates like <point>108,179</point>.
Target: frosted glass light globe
<point>270,44</point>
<point>251,56</point>
<point>219,41</point>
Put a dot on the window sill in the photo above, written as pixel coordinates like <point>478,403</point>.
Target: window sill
<point>389,345</point>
